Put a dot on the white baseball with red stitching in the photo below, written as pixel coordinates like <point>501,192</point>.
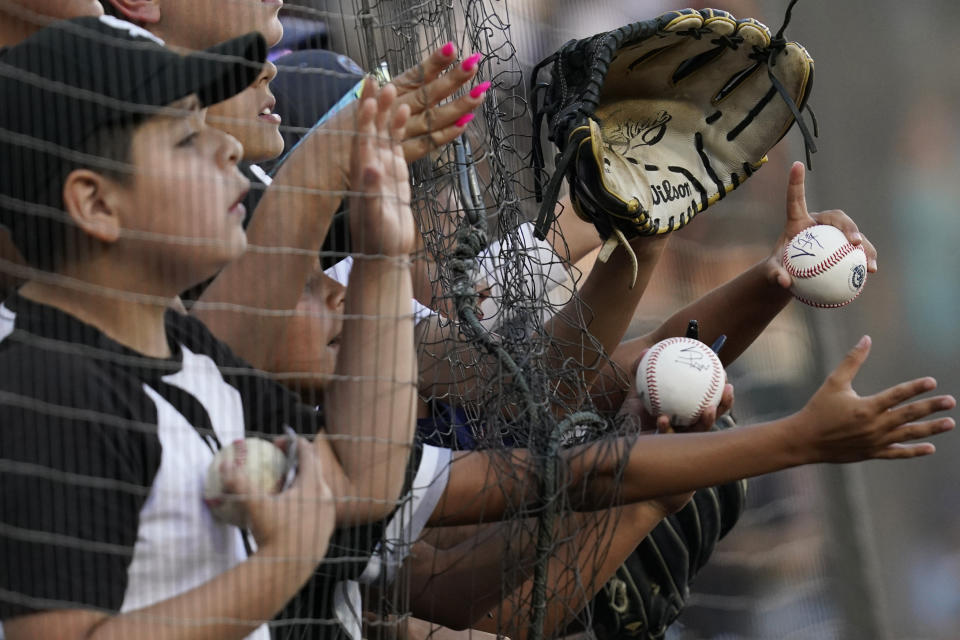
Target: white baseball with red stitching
<point>680,378</point>
<point>827,270</point>
<point>264,464</point>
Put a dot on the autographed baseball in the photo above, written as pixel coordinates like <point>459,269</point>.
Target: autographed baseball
<point>827,270</point>
<point>264,464</point>
<point>680,378</point>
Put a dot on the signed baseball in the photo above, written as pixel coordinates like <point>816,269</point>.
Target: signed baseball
<point>680,378</point>
<point>827,270</point>
<point>265,466</point>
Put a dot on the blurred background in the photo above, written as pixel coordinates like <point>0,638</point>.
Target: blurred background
<point>864,551</point>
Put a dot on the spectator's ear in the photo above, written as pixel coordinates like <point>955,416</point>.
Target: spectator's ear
<point>86,199</point>
<point>136,11</point>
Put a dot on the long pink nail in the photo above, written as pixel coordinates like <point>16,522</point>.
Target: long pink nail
<point>464,121</point>
<point>471,62</point>
<point>448,50</point>
<point>480,89</point>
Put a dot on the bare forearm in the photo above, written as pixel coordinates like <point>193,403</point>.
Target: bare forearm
<point>595,321</point>
<point>371,402</point>
<point>629,470</point>
<point>485,486</point>
<point>230,606</point>
<point>247,305</point>
<point>740,309</point>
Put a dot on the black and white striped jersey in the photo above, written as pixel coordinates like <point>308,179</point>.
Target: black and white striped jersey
<point>103,453</point>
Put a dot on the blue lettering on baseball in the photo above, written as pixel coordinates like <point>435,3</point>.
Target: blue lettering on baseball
<point>805,244</point>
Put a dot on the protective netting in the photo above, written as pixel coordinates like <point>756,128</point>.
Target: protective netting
<point>522,285</point>
<point>507,363</point>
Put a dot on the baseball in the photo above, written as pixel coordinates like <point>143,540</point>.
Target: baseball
<point>827,270</point>
<point>264,465</point>
<point>680,378</point>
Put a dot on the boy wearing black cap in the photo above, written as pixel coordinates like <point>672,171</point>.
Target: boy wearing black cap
<point>120,196</point>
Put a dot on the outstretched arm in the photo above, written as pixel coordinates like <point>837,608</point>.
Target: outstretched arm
<point>836,425</point>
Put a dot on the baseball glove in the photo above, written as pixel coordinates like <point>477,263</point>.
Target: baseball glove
<point>648,592</point>
<point>657,120</point>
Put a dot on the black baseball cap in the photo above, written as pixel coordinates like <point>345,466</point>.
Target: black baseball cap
<point>77,77</point>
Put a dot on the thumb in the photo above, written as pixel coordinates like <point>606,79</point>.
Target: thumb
<point>780,276</point>
<point>796,193</point>
<point>307,463</point>
<point>847,370</point>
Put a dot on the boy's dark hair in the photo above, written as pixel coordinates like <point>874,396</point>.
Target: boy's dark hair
<point>39,226</point>
<point>71,96</point>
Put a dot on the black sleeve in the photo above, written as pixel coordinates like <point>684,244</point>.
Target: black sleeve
<point>74,473</point>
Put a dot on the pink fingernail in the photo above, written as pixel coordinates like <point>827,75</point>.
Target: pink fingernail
<point>464,121</point>
<point>448,50</point>
<point>471,62</point>
<point>480,89</point>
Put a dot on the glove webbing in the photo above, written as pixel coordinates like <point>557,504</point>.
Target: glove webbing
<point>777,44</point>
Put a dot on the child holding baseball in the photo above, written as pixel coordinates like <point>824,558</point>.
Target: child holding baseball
<point>113,405</point>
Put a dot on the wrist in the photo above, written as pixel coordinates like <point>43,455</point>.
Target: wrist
<point>789,443</point>
<point>373,261</point>
<point>293,563</point>
<point>319,164</point>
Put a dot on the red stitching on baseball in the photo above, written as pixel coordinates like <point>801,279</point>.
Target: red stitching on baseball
<point>240,453</point>
<point>835,305</point>
<point>821,267</point>
<point>714,383</point>
<point>650,372</point>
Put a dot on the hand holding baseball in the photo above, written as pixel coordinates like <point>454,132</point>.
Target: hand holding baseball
<point>283,523</point>
<point>682,382</point>
<point>635,418</point>
<point>837,425</point>
<point>798,219</point>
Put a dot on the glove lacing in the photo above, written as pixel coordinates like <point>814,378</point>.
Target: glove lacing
<point>777,44</point>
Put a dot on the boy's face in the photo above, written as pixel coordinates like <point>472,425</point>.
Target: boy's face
<point>181,213</point>
<point>199,24</point>
<point>249,117</point>
<point>312,341</point>
<point>58,9</point>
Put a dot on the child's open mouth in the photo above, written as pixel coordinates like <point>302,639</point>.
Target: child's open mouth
<point>267,114</point>
<point>238,208</point>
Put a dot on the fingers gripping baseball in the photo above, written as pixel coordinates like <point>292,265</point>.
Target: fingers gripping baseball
<point>840,220</point>
<point>844,427</point>
<point>799,218</point>
<point>295,522</point>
